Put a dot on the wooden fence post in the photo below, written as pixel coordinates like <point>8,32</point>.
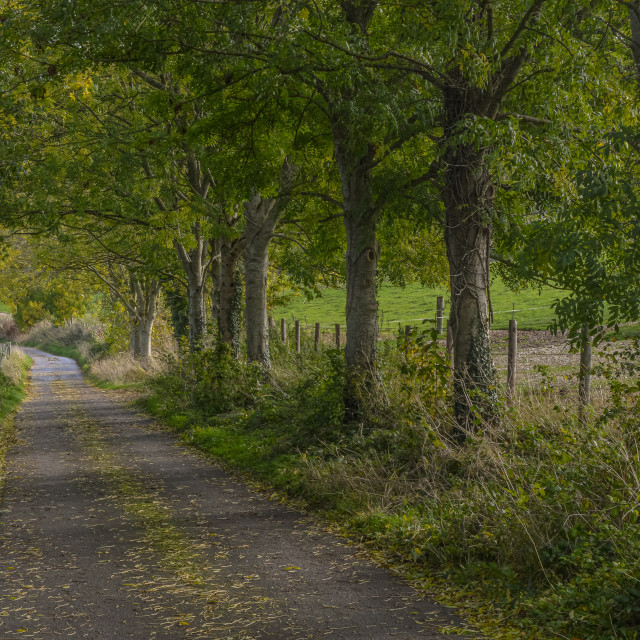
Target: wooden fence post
<point>439,313</point>
<point>512,359</point>
<point>272,323</point>
<point>283,330</point>
<point>584,387</point>
<point>316,342</point>
<point>338,338</point>
<point>407,331</point>
<point>297,336</point>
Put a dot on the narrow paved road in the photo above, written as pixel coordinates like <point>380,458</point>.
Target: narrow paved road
<point>110,530</point>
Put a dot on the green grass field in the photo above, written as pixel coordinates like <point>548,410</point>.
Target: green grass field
<point>411,304</point>
<point>4,308</point>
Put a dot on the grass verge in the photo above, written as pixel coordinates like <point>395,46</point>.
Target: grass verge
<point>13,375</point>
<point>59,350</point>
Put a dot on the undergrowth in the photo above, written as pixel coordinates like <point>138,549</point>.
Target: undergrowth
<point>534,520</point>
<point>13,374</point>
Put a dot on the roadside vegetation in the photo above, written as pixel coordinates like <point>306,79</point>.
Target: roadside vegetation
<point>13,376</point>
<point>531,527</point>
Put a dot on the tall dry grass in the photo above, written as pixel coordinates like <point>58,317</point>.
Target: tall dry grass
<point>77,334</point>
<point>12,365</point>
<point>123,368</point>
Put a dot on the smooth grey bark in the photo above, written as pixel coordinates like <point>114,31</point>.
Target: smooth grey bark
<point>147,320</point>
<point>144,294</point>
<point>134,340</point>
<point>195,261</point>
<point>139,295</point>
<point>355,155</point>
<point>261,216</point>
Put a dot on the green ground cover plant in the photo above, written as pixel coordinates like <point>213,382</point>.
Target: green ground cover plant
<point>13,375</point>
<point>532,525</point>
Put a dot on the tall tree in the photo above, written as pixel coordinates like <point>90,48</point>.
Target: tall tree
<point>480,66</point>
<point>261,216</point>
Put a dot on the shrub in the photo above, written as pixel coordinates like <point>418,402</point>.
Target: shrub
<point>538,514</point>
<point>122,368</point>
<point>209,381</point>
<point>8,328</point>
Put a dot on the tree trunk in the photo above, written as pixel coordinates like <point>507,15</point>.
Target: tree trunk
<point>634,18</point>
<point>229,294</point>
<point>468,199</point>
<point>195,267</point>
<point>145,297</point>
<point>145,341</point>
<point>134,341</point>
<point>362,304</point>
<point>360,219</point>
<point>216,275</point>
<point>197,316</point>
<point>256,263</point>
<point>262,216</point>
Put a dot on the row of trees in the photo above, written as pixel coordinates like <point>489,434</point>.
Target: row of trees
<point>183,139</point>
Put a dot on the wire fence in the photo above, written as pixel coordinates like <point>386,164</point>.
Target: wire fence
<point>335,337</point>
<point>501,324</point>
<point>5,350</point>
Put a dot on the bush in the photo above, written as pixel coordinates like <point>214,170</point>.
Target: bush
<point>8,328</point>
<point>209,382</point>
<point>12,376</point>
<point>79,335</point>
